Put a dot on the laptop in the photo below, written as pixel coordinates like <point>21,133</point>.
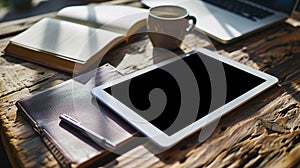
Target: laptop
<point>230,20</point>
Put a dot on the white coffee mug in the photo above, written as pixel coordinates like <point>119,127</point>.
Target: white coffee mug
<point>167,25</point>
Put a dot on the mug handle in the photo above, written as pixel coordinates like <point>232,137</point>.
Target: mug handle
<point>191,26</point>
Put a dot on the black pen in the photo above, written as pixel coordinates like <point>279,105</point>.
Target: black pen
<point>87,132</point>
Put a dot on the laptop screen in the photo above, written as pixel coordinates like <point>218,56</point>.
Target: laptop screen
<point>285,6</point>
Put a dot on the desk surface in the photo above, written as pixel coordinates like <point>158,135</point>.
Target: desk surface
<point>263,132</point>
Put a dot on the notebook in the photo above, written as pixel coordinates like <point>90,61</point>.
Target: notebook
<point>73,97</point>
<point>230,20</point>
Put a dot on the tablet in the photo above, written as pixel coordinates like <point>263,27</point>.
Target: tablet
<point>173,99</point>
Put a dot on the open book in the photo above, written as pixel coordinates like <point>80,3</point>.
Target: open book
<point>77,38</point>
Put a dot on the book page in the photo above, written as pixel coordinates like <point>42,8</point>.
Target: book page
<point>64,39</point>
<point>115,18</point>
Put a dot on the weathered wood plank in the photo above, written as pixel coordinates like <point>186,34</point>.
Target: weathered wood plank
<point>19,137</point>
<point>20,140</point>
<point>19,79</point>
<point>19,76</point>
<point>141,54</point>
<point>267,48</point>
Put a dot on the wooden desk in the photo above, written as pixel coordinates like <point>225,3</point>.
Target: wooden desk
<point>264,132</point>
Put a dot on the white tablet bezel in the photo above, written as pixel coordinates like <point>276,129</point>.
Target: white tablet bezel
<point>156,135</point>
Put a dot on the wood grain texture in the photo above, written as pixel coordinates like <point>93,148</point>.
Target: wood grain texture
<point>264,132</point>
<point>19,79</point>
<point>141,54</point>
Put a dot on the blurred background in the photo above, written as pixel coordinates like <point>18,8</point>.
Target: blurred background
<point>17,9</point>
<point>297,12</point>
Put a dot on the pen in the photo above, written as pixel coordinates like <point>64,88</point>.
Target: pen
<point>87,132</point>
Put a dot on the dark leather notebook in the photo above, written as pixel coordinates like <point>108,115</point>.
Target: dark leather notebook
<point>74,98</point>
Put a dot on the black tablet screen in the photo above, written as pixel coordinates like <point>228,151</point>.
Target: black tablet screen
<point>138,89</point>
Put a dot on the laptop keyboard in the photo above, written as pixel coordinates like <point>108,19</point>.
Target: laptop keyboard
<point>240,8</point>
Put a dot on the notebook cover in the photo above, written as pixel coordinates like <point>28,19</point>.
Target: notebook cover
<point>74,98</point>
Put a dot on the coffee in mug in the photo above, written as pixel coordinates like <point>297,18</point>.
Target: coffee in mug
<point>167,25</point>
